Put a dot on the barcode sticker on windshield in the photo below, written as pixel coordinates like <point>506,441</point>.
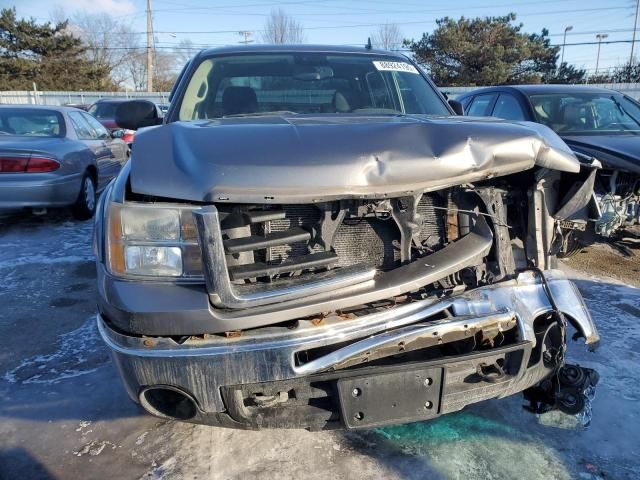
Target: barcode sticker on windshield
<point>396,67</point>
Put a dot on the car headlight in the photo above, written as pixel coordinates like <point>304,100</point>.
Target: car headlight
<point>157,241</point>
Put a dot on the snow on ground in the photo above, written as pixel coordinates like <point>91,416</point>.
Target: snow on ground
<point>64,414</point>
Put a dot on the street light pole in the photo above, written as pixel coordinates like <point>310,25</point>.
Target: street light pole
<point>149,48</point>
<point>633,42</point>
<point>247,36</point>
<point>564,42</point>
<point>600,37</point>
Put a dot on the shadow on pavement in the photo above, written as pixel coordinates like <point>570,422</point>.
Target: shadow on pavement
<point>20,460</point>
<point>27,220</point>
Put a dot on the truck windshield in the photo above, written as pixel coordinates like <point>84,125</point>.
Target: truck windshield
<point>307,83</point>
<point>587,113</point>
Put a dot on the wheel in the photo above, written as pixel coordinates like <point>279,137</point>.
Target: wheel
<point>85,205</point>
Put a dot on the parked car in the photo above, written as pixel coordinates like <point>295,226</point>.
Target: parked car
<point>81,106</point>
<point>312,239</point>
<point>55,157</point>
<point>104,110</point>
<point>596,123</point>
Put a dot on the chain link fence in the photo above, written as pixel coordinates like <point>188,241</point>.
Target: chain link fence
<point>34,97</point>
<point>63,98</point>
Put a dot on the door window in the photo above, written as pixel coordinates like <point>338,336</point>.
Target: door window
<point>480,105</point>
<point>96,126</point>
<point>508,108</point>
<point>82,128</point>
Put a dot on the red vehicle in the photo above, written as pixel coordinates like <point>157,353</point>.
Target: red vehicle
<point>105,109</point>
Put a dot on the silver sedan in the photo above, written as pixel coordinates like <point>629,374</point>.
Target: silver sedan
<point>55,157</point>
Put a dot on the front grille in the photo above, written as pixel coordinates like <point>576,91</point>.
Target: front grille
<point>289,239</point>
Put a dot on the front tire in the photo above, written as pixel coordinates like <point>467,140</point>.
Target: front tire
<point>85,205</point>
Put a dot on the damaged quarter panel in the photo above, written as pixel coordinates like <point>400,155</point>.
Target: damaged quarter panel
<point>313,240</point>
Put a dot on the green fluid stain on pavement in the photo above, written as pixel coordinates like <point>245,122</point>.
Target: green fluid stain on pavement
<point>446,429</point>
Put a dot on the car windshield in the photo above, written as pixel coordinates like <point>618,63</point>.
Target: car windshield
<point>104,110</point>
<point>307,83</point>
<point>31,122</point>
<point>587,113</point>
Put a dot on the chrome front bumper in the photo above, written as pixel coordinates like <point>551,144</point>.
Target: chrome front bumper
<point>203,367</point>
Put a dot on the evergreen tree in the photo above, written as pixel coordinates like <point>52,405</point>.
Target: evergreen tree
<point>484,51</point>
<point>47,55</point>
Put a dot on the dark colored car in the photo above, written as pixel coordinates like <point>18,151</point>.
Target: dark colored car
<point>312,239</point>
<point>55,157</point>
<point>595,122</point>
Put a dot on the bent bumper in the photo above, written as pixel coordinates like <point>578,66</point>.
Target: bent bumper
<point>38,190</point>
<point>220,373</point>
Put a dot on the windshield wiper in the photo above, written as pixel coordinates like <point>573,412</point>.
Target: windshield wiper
<point>261,114</point>
<point>624,112</point>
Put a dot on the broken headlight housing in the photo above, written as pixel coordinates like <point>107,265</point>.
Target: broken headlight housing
<point>156,241</point>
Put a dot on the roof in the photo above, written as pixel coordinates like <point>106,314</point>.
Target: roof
<point>539,89</point>
<point>265,48</point>
<point>115,99</point>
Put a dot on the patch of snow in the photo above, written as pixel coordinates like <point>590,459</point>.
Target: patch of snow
<point>94,448</point>
<point>79,352</point>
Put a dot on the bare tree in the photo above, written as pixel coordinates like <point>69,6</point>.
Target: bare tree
<point>387,37</point>
<point>282,28</point>
<point>184,51</point>
<point>111,43</point>
<point>165,70</point>
<point>135,66</point>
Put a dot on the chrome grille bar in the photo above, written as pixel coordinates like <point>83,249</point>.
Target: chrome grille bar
<point>224,294</point>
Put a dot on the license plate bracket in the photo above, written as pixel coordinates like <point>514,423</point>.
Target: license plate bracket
<point>393,397</point>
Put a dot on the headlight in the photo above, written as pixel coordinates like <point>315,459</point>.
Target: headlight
<point>152,241</point>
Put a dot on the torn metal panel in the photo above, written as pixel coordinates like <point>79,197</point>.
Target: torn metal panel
<point>314,159</point>
<point>578,198</point>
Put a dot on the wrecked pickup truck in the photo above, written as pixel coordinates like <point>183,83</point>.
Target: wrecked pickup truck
<point>312,239</point>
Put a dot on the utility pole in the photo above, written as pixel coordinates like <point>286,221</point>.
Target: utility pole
<point>633,42</point>
<point>149,48</point>
<point>564,42</point>
<point>600,37</point>
<point>247,36</point>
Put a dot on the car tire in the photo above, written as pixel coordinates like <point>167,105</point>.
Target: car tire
<point>85,205</point>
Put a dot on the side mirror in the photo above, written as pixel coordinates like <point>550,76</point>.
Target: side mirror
<point>136,114</point>
<point>456,105</point>
<point>117,133</point>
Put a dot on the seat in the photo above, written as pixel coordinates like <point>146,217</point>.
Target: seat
<point>571,118</point>
<point>345,101</point>
<point>238,100</point>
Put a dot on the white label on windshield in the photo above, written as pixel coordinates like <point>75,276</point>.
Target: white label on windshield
<point>396,67</point>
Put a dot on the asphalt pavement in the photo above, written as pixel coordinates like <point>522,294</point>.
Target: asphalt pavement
<point>64,414</point>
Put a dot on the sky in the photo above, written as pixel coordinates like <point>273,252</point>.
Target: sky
<point>350,22</point>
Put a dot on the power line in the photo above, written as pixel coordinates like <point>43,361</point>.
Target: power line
<point>360,25</point>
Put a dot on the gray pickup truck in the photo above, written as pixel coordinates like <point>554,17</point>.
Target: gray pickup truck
<point>311,238</point>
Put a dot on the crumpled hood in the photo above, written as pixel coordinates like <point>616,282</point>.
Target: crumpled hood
<point>301,158</point>
<point>614,151</point>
